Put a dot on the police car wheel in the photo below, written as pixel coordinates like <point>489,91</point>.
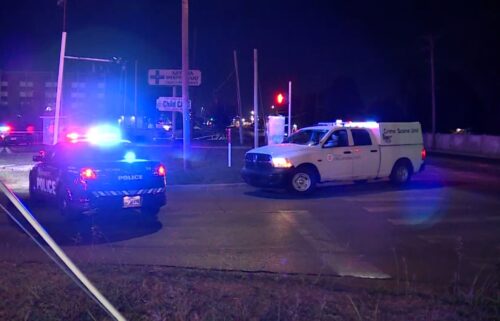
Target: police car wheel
<point>33,194</point>
<point>303,181</point>
<point>150,210</point>
<point>401,172</point>
<point>64,205</point>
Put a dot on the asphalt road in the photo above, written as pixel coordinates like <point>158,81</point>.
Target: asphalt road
<point>445,225</point>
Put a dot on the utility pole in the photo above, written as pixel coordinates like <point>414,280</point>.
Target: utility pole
<point>238,95</point>
<point>431,38</point>
<point>255,101</point>
<point>185,89</point>
<point>125,80</point>
<point>60,77</point>
<point>135,95</point>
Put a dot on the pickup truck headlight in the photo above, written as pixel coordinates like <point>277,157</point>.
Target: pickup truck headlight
<point>281,162</point>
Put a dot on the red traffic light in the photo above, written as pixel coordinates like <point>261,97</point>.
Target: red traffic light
<point>280,99</point>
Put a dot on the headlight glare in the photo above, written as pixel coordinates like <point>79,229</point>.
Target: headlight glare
<point>281,162</point>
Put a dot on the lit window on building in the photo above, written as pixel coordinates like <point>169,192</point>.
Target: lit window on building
<point>78,95</point>
<point>24,94</point>
<point>78,85</point>
<point>50,84</point>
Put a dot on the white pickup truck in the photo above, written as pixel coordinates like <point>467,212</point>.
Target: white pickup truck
<point>351,151</point>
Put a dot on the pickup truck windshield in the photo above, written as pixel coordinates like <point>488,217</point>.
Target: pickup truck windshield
<point>308,137</point>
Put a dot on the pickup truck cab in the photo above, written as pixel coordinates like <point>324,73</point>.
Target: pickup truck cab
<point>352,151</point>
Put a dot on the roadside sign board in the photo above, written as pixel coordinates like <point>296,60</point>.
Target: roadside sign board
<point>170,104</point>
<point>172,77</point>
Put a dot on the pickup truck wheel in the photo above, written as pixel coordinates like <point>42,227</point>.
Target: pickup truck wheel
<point>401,172</point>
<point>303,181</point>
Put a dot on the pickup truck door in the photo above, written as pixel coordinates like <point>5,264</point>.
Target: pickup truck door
<point>335,162</point>
<point>366,154</point>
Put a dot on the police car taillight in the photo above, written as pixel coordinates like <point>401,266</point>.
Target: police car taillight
<point>424,153</point>
<point>160,170</point>
<point>88,173</point>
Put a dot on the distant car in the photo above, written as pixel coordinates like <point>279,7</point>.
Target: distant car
<point>9,136</point>
<point>19,138</point>
<point>82,176</point>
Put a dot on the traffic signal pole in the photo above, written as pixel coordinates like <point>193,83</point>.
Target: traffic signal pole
<point>289,108</point>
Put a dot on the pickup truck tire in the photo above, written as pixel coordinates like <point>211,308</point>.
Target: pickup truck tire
<point>303,180</point>
<point>401,172</point>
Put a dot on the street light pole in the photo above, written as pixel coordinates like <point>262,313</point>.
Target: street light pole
<point>60,75</point>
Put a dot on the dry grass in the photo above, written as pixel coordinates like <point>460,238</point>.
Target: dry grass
<point>41,292</point>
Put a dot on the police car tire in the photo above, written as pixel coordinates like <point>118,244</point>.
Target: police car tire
<point>305,177</point>
<point>33,193</point>
<point>401,172</point>
<point>64,209</point>
<point>150,210</point>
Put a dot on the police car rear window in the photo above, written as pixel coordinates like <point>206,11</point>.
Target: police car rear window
<point>77,153</point>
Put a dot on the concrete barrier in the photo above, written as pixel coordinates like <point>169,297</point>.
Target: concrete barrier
<point>464,144</point>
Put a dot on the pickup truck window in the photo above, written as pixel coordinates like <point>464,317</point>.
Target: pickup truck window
<point>308,137</point>
<point>361,137</point>
<point>337,139</point>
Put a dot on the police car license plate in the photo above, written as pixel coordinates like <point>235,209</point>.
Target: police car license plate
<point>131,201</point>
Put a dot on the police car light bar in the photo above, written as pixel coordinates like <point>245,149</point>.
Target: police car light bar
<point>104,135</point>
<point>363,124</point>
<point>130,157</point>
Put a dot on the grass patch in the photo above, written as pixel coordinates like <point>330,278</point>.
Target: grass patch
<point>38,291</point>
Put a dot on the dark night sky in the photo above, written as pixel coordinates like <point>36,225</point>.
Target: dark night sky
<point>377,45</point>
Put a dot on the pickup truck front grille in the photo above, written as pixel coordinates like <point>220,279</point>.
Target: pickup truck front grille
<point>258,161</point>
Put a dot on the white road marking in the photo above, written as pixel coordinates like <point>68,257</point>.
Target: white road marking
<point>393,198</point>
<point>333,255</point>
<point>451,220</point>
<point>408,208</point>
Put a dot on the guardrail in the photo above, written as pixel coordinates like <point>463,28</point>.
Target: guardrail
<point>464,144</point>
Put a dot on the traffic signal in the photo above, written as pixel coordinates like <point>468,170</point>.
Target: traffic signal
<point>280,99</point>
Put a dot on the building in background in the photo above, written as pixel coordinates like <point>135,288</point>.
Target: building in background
<point>87,96</point>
